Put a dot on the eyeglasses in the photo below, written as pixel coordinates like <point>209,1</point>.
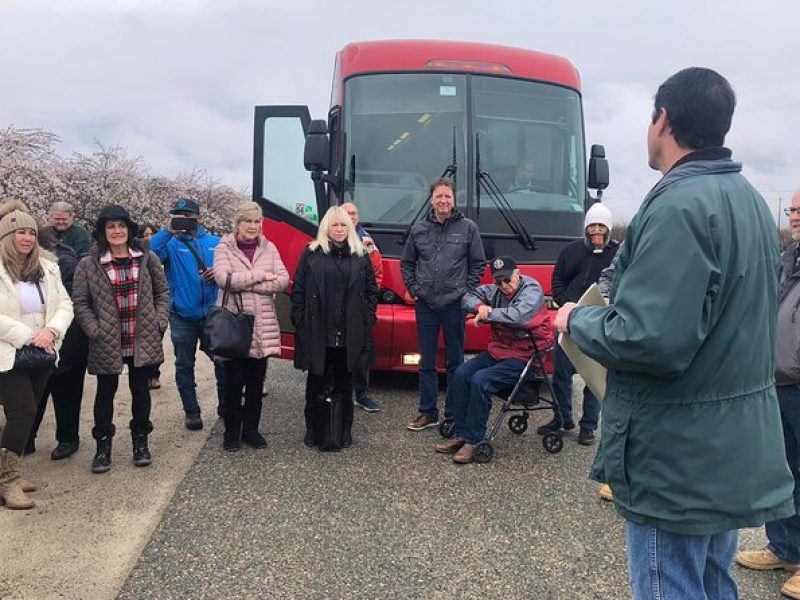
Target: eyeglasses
<point>501,280</point>
<point>791,210</point>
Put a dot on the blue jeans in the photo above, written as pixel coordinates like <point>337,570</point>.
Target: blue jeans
<point>784,534</point>
<point>674,566</point>
<point>562,386</point>
<point>185,336</point>
<point>429,322</point>
<point>473,386</point>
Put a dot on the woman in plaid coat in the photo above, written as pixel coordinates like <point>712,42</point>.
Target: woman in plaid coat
<point>121,301</point>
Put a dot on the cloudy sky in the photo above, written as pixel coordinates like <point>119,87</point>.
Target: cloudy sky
<point>175,81</point>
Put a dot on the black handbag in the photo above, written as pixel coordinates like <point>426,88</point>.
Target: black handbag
<point>228,334</point>
<point>32,357</point>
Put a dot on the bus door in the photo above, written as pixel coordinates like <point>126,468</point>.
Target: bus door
<point>291,201</point>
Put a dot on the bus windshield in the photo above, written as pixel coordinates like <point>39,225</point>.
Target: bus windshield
<point>400,132</point>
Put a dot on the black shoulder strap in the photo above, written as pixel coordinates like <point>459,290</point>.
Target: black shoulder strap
<point>200,264</point>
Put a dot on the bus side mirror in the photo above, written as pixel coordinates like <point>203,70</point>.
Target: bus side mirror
<point>316,155</point>
<point>598,168</point>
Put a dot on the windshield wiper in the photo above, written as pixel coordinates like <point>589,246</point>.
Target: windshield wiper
<point>450,171</point>
<point>487,183</point>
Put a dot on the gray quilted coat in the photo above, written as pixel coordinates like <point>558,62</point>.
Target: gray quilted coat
<point>96,312</point>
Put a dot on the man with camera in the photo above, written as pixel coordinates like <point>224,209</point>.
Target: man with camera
<point>186,250</point>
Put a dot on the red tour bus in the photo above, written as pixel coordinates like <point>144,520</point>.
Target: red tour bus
<point>505,123</point>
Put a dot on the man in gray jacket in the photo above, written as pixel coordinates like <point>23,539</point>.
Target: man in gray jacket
<point>783,550</point>
<point>443,259</point>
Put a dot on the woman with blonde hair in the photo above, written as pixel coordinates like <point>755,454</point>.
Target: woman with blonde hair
<point>249,265</point>
<point>35,312</point>
<point>334,298</point>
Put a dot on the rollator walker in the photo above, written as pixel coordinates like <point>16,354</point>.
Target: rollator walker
<point>522,399</point>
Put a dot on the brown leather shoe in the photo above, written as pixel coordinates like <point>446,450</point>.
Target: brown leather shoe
<point>449,446</point>
<point>465,455</point>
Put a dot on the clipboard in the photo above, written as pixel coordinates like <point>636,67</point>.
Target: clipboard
<point>593,373</point>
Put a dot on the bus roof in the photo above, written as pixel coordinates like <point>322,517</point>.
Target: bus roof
<point>416,55</point>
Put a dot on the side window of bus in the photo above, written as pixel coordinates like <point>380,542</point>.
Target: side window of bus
<point>286,182</point>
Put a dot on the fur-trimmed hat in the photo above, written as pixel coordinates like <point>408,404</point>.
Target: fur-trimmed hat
<point>15,220</point>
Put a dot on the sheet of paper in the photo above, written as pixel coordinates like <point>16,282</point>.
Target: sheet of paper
<point>593,373</point>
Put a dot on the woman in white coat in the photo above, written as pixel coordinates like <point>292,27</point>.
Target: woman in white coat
<point>35,310</point>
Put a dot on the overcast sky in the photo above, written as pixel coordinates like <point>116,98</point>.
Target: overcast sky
<point>175,81</point>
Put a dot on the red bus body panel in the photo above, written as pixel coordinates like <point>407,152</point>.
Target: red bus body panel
<point>395,333</point>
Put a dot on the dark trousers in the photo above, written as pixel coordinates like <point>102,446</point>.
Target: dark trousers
<point>336,374</point>
<point>21,391</point>
<point>784,534</point>
<point>67,392</point>
<point>140,401</point>
<point>243,375</point>
<point>361,374</point>
<point>563,370</point>
<point>185,338</point>
<point>430,321</point>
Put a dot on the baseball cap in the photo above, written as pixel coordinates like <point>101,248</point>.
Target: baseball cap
<point>503,266</point>
<point>185,205</point>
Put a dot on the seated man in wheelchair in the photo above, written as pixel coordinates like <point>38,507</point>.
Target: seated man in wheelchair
<point>513,306</point>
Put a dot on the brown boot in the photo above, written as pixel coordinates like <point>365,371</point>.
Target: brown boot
<point>26,486</point>
<point>10,493</point>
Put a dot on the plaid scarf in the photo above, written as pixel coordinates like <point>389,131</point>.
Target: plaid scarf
<point>124,276</point>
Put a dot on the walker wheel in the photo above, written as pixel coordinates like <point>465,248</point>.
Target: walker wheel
<point>484,452</point>
<point>518,424</point>
<point>447,428</point>
<point>553,442</point>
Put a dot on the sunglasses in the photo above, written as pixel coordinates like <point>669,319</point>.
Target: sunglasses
<point>791,210</point>
<point>502,280</point>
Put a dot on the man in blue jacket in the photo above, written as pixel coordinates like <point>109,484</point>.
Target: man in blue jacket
<point>691,429</point>
<point>188,258</point>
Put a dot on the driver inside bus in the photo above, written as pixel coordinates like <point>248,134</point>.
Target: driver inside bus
<point>523,178</point>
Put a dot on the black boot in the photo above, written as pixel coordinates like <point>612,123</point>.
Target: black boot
<point>141,453</point>
<point>102,459</point>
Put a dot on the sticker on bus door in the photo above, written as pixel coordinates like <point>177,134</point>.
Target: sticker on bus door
<point>447,90</point>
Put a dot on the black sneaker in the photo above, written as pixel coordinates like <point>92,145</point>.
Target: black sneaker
<point>586,437</point>
<point>30,447</point>
<point>553,425</point>
<point>254,439</point>
<point>308,440</point>
<point>63,450</point>
<point>193,420</point>
<point>231,443</point>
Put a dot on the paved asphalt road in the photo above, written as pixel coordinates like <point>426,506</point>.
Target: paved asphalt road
<point>388,518</point>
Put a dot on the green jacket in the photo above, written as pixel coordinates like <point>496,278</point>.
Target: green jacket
<point>691,435</point>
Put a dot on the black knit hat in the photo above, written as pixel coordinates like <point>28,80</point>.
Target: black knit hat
<point>114,212</point>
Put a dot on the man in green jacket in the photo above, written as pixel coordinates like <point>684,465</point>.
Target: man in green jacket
<point>691,432</point>
<point>62,220</point>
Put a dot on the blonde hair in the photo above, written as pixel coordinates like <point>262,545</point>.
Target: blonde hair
<point>323,239</point>
<point>246,210</point>
<point>30,269</point>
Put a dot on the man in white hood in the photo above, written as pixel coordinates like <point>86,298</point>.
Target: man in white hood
<point>577,268</point>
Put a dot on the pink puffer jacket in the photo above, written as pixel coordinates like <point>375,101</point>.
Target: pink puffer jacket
<point>257,293</point>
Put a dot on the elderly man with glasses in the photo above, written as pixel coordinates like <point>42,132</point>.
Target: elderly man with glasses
<point>513,306</point>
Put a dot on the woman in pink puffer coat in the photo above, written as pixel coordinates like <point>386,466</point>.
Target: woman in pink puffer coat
<point>257,274</point>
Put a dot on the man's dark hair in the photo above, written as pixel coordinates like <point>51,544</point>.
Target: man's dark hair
<point>442,181</point>
<point>699,104</point>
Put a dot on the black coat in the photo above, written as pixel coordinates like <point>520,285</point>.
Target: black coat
<point>308,310</point>
<point>577,268</point>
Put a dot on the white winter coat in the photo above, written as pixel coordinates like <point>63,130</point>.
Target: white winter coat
<point>57,313</point>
